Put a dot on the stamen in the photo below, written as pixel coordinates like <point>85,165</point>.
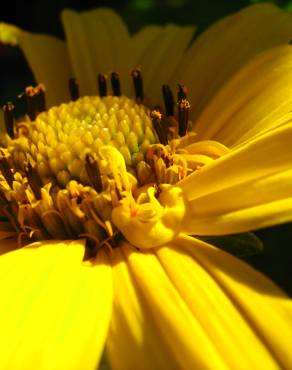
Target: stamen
<point>101,80</point>
<point>41,97</point>
<point>31,102</point>
<point>34,180</point>
<point>6,170</point>
<point>138,84</point>
<point>181,92</point>
<point>183,116</point>
<point>157,121</point>
<point>115,81</point>
<point>93,172</point>
<point>168,100</point>
<point>35,100</point>
<point>9,118</point>
<point>74,89</point>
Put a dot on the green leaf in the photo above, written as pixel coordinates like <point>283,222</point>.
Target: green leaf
<point>240,245</point>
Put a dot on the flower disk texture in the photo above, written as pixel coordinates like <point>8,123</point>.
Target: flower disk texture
<point>58,140</point>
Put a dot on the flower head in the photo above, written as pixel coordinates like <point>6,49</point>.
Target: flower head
<point>111,187</point>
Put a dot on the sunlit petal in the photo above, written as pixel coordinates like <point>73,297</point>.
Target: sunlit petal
<point>260,303</point>
<point>256,99</point>
<point>133,340</point>
<point>55,311</point>
<point>168,318</point>
<point>243,190</point>
<point>228,45</point>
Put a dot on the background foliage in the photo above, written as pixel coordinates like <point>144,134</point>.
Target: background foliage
<point>43,16</point>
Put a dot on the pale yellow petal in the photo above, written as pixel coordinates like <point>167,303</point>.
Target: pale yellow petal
<point>142,41</point>
<point>162,57</point>
<point>168,318</point>
<point>246,189</point>
<point>228,45</point>
<point>255,100</point>
<point>98,42</point>
<point>263,307</point>
<point>134,341</point>
<point>47,57</point>
<point>55,311</point>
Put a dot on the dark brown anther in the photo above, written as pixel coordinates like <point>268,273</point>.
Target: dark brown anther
<point>115,81</point>
<point>181,92</point>
<point>6,169</point>
<point>138,84</point>
<point>8,110</point>
<point>34,180</point>
<point>41,98</point>
<point>74,89</point>
<point>31,102</point>
<point>183,109</point>
<point>35,100</point>
<point>92,169</point>
<point>159,127</point>
<point>168,100</point>
<point>101,81</point>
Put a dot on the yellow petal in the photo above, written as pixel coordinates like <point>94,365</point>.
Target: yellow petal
<point>47,57</point>
<point>248,206</point>
<point>228,45</point>
<point>142,41</point>
<point>255,100</point>
<point>248,316</point>
<point>270,153</point>
<point>98,42</point>
<point>155,311</point>
<point>241,220</point>
<point>133,340</point>
<point>162,56</point>
<point>263,127</point>
<point>55,311</point>
<point>244,190</point>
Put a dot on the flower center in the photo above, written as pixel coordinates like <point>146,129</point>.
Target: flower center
<point>100,167</point>
<point>58,141</point>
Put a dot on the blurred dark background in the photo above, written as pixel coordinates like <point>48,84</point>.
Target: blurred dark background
<point>43,16</point>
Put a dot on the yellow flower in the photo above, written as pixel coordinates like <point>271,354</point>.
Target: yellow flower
<point>109,171</point>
